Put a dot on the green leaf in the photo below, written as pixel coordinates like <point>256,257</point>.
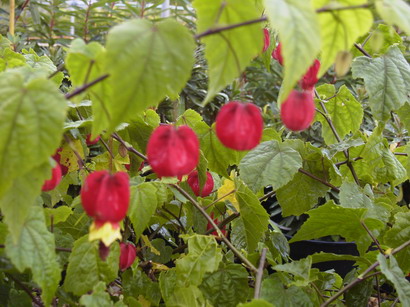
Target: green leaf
<point>164,250</point>
<point>404,114</point>
<point>323,257</point>
<point>32,116</point>
<point>331,219</point>
<point>359,295</point>
<point>387,79</point>
<point>85,268</point>
<point>20,197</point>
<point>144,202</point>
<point>204,256</point>
<point>11,59</point>
<point>340,29</point>
<point>395,12</point>
<point>228,52</point>
<point>226,287</point>
<point>299,34</point>
<point>397,235</point>
<point>392,271</point>
<point>254,216</point>
<point>43,64</point>
<point>256,303</point>
<point>299,269</point>
<point>35,250</point>
<point>138,283</point>
<point>190,296</point>
<point>278,294</point>
<point>99,297</point>
<point>146,63</point>
<point>270,163</point>
<point>344,110</point>
<point>59,214</point>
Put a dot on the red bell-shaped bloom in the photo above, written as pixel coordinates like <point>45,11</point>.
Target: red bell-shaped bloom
<point>266,39</point>
<point>193,181</point>
<point>106,197</point>
<point>173,152</point>
<point>209,226</point>
<point>277,54</point>
<point>298,110</point>
<point>54,180</point>
<point>239,125</point>
<point>91,142</point>
<point>57,157</point>
<point>127,255</point>
<point>310,79</point>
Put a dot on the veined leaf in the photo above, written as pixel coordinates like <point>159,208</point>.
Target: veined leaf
<point>387,79</point>
<point>299,34</point>
<point>228,52</point>
<point>99,298</point>
<point>299,269</point>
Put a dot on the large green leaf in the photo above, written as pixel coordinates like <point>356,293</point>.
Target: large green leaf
<point>99,298</point>
<point>256,303</point>
<point>146,63</point>
<point>190,296</point>
<point>270,163</point>
<point>144,201</point>
<point>299,34</point>
<point>344,110</point>
<point>20,197</point>
<point>35,250</point>
<point>340,29</point>
<point>395,12</point>
<point>397,235</point>
<point>32,116</point>
<point>299,269</point>
<point>392,271</point>
<point>331,219</point>
<point>204,256</point>
<point>228,52</point>
<point>254,216</point>
<point>85,268</point>
<point>387,79</point>
<point>226,287</point>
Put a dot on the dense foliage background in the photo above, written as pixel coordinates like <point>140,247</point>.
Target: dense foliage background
<point>119,69</point>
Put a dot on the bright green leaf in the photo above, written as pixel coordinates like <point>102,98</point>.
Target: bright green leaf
<point>395,12</point>
<point>299,269</point>
<point>99,297</point>
<point>256,303</point>
<point>59,214</point>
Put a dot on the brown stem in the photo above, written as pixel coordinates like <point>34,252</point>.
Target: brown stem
<point>79,158</point>
<point>86,86</point>
<point>36,300</point>
<point>22,9</point>
<point>372,236</point>
<point>267,195</point>
<point>129,148</point>
<point>219,199</point>
<point>58,249</point>
<point>361,49</point>
<point>259,274</point>
<point>59,68</point>
<point>334,188</point>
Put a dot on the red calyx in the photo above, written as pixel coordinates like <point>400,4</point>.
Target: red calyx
<point>54,180</point>
<point>239,125</point>
<point>106,197</point>
<point>57,157</point>
<point>298,110</point>
<point>127,255</point>
<point>209,226</point>
<point>277,54</point>
<point>91,142</point>
<point>266,41</point>
<point>193,181</point>
<point>310,79</point>
<point>173,152</point>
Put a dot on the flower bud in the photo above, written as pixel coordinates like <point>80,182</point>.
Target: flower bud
<point>91,142</point>
<point>54,180</point>
<point>127,255</point>
<point>209,226</point>
<point>239,125</point>
<point>277,54</point>
<point>106,197</point>
<point>173,152</point>
<point>57,157</point>
<point>298,110</point>
<point>343,62</point>
<point>309,80</point>
<point>266,41</point>
<point>193,181</point>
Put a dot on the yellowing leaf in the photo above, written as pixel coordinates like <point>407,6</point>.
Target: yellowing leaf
<point>227,187</point>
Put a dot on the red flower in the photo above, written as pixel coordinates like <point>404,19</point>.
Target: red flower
<point>298,110</point>
<point>54,180</point>
<point>309,80</point>
<point>57,157</point>
<point>209,226</point>
<point>127,255</point>
<point>277,54</point>
<point>239,125</point>
<point>91,142</point>
<point>266,39</point>
<point>106,197</point>
<point>193,181</point>
<point>173,152</point>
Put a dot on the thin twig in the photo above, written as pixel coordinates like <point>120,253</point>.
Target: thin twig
<point>361,49</point>
<point>395,302</point>
<point>83,88</point>
<point>259,274</point>
<point>22,9</point>
<point>80,160</point>
<point>334,188</point>
<point>175,217</point>
<point>36,300</point>
<point>129,148</point>
<point>379,297</point>
<point>59,68</point>
<point>372,236</point>
<point>267,195</point>
<point>219,199</point>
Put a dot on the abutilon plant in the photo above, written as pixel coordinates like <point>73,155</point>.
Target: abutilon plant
<point>277,54</point>
<point>91,142</point>
<point>266,39</point>
<point>128,252</point>
<point>105,198</point>
<point>310,79</point>
<point>209,226</point>
<point>193,181</point>
<point>55,179</point>
<point>173,152</point>
<point>298,110</point>
<point>239,125</point>
<point>57,157</point>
